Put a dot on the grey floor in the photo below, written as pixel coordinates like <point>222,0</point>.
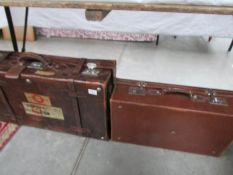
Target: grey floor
<point>42,152</point>
<point>188,61</point>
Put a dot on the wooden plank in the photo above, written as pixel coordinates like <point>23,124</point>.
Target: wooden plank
<point>205,9</point>
<point>31,36</point>
<point>96,15</point>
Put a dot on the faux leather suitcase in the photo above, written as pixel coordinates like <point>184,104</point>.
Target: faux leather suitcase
<point>182,118</point>
<point>59,93</point>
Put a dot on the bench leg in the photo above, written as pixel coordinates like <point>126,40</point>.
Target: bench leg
<point>157,40</point>
<point>25,29</point>
<point>210,38</point>
<point>11,28</point>
<point>231,46</point>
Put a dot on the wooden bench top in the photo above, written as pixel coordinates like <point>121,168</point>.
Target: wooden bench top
<point>121,5</point>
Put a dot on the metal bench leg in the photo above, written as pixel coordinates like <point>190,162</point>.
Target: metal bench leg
<point>157,40</point>
<point>210,38</point>
<point>231,46</point>
<point>25,29</point>
<point>11,28</point>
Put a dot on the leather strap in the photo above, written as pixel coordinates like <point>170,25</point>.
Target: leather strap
<point>75,103</point>
<point>15,71</point>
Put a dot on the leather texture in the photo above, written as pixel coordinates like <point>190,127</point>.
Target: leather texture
<point>182,118</point>
<point>51,92</point>
<point>6,112</point>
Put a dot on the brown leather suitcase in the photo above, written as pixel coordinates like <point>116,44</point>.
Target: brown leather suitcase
<point>182,118</point>
<point>59,93</point>
<point>6,112</point>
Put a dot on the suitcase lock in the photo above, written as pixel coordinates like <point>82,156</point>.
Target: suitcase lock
<point>139,90</point>
<point>35,65</point>
<point>213,99</point>
<point>91,70</point>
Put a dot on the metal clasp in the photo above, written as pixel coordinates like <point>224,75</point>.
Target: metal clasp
<point>141,90</point>
<point>35,65</point>
<point>213,99</point>
<point>91,70</point>
<point>142,84</point>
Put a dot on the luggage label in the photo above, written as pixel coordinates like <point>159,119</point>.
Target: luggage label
<point>43,111</point>
<point>40,105</point>
<point>38,99</point>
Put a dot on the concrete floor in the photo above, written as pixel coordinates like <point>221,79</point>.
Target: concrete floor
<point>185,61</point>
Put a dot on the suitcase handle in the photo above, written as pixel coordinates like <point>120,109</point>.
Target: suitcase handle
<point>177,91</point>
<point>15,71</point>
<point>29,56</point>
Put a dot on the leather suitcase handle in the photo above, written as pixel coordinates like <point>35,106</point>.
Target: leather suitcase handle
<point>28,56</point>
<point>15,71</point>
<point>177,91</point>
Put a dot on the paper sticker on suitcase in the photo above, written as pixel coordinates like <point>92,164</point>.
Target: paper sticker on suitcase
<point>43,111</point>
<point>38,99</point>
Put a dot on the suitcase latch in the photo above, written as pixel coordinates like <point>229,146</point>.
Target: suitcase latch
<point>35,65</point>
<point>213,99</point>
<point>91,70</point>
<point>141,90</point>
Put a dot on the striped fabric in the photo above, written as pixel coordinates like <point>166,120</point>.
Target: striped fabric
<point>7,130</point>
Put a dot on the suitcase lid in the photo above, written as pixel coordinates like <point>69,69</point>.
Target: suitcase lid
<point>174,97</point>
<point>40,66</point>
